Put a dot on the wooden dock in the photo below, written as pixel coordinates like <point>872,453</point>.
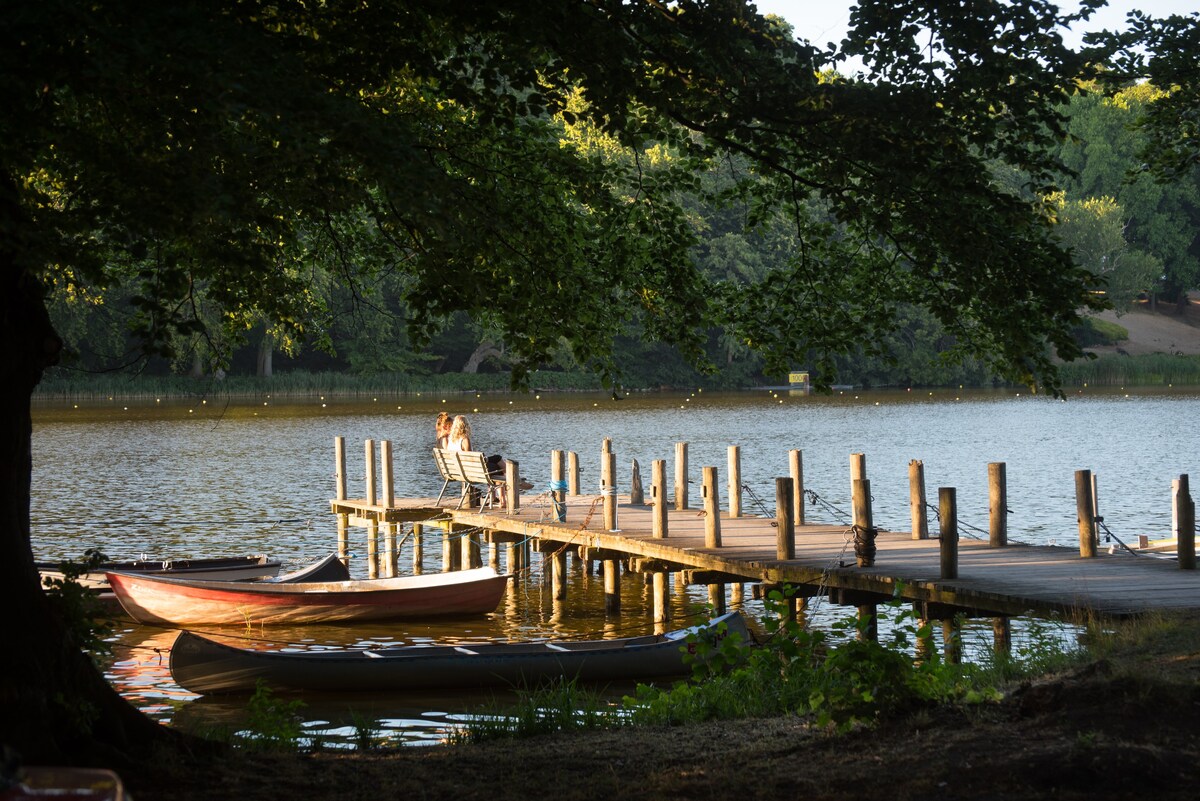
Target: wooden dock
<point>719,548</point>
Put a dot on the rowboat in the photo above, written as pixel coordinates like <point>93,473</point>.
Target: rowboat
<point>205,666</point>
<point>228,568</point>
<point>327,568</point>
<point>169,601</point>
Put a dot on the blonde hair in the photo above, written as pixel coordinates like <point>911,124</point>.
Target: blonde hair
<point>460,429</point>
<point>443,422</point>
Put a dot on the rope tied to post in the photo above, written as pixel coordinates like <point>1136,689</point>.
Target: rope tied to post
<point>864,544</point>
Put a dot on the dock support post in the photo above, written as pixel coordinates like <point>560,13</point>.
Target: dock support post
<point>864,523</point>
<point>373,548</point>
<point>559,572</point>
<point>510,557</point>
<point>612,587</point>
<point>472,557</point>
<point>369,455</point>
<point>1085,514</point>
<point>451,553</point>
<point>712,508</point>
<point>572,472</point>
<point>1185,537</point>
<point>662,597</point>
<point>608,489</point>
<point>997,504</point>
<point>636,494</point>
<point>785,529</point>
<point>734,461</point>
<point>916,500</point>
<point>418,541</point>
<point>948,512</point>
<point>1002,635</point>
<point>558,487</point>
<point>339,478</point>
<point>658,494</point>
<point>737,595</point>
<point>343,536</point>
<point>493,551</point>
<point>681,475</point>
<point>858,472</point>
<point>388,501</point>
<point>925,647</point>
<point>952,640</point>
<point>796,471</point>
<point>868,630</point>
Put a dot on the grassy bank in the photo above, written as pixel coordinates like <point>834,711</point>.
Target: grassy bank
<point>1149,370</point>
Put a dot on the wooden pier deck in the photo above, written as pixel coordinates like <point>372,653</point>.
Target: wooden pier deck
<point>1011,580</point>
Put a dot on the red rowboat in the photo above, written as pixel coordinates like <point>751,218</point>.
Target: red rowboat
<point>177,602</point>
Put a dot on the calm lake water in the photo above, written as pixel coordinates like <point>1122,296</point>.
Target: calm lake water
<point>190,479</point>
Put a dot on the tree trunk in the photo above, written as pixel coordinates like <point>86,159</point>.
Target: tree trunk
<point>266,349</point>
<point>485,350</point>
<point>57,707</point>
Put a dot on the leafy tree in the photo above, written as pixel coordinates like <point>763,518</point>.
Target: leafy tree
<point>1094,230</point>
<point>193,147</point>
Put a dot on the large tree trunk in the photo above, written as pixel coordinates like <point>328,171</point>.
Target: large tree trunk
<point>485,351</point>
<point>266,350</point>
<point>57,707</point>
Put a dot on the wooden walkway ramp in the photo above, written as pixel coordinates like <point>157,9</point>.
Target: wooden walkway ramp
<point>1009,580</point>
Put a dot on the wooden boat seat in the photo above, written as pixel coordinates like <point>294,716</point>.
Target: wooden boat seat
<point>469,468</point>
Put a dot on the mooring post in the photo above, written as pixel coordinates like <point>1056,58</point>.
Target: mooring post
<point>636,495</point>
<point>369,454</point>
<point>997,504</point>
<point>1002,635</point>
<point>493,551</point>
<point>511,563</point>
<point>373,548</point>
<point>681,475</point>
<point>734,461</point>
<point>389,500</point>
<point>471,555</point>
<point>796,471</point>
<point>608,488</point>
<point>559,559</point>
<point>785,530</point>
<point>572,473</point>
<point>339,467</point>
<point>658,496</point>
<point>858,472</point>
<point>512,485</point>
<point>864,523</point>
<point>1185,537</point>
<point>916,500</point>
<point>948,512</point>
<point>662,597</point>
<point>1085,514</point>
<point>450,552</point>
<point>952,640</point>
<point>372,498</point>
<point>712,508</point>
<point>558,487</point>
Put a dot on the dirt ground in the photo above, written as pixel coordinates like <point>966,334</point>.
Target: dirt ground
<point>1125,726</point>
<point>1168,329</point>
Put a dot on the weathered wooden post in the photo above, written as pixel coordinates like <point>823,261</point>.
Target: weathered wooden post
<point>559,560</point>
<point>658,494</point>
<point>606,445</point>
<point>864,523</point>
<point>734,461</point>
<point>418,540</point>
<point>1085,514</point>
<point>858,472</point>
<point>558,486</point>
<point>636,495</point>
<point>681,475</point>
<point>916,500</point>
<point>1185,537</point>
<point>343,519</point>
<point>1002,635</point>
<point>612,587</point>
<point>389,500</point>
<point>572,473</point>
<point>785,529</point>
<point>451,551</point>
<point>796,471</point>
<point>948,547</point>
<point>661,592</point>
<point>997,504</point>
<point>372,498</point>
<point>472,557</point>
<point>608,489</point>
<point>952,640</point>
<point>512,485</point>
<point>712,530</point>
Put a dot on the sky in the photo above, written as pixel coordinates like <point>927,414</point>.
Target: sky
<point>821,21</point>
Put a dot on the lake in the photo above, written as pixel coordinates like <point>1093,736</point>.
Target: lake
<point>188,479</point>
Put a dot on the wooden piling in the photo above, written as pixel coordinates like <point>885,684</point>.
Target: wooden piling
<point>636,495</point>
<point>1002,635</point>
<point>1085,514</point>
<point>712,508</point>
<point>343,538</point>
<point>869,613</point>
<point>918,511</point>
<point>658,494</point>
<point>369,454</point>
<point>734,463</point>
<point>997,504</point>
<point>557,488</point>
<point>662,596</point>
<point>948,512</point>
<point>339,467</point>
<point>612,587</point>
<point>572,473</point>
<point>858,472</point>
<point>864,523</point>
<point>559,563</point>
<point>512,485</point>
<point>952,640</point>
<point>785,525</point>
<point>418,541</point>
<point>1185,537</point>
<point>373,548</point>
<point>608,489</point>
<point>796,471</point>
<point>681,475</point>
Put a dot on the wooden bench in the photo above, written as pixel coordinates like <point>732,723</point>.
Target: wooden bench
<point>469,468</point>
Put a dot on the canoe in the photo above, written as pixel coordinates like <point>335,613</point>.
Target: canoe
<point>205,666</point>
<point>180,602</point>
<point>228,568</point>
